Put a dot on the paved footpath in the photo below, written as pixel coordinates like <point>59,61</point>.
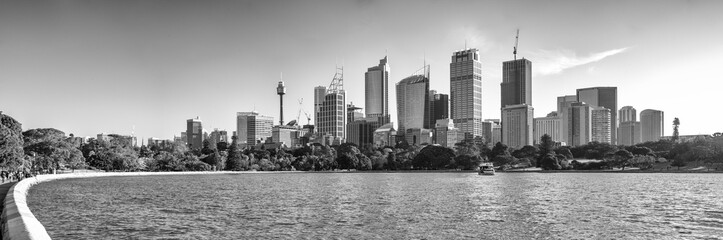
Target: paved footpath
<point>4,188</point>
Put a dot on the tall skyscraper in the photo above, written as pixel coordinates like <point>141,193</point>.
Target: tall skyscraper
<point>579,124</point>
<point>194,133</point>
<point>629,133</point>
<point>330,109</point>
<point>563,103</point>
<point>465,72</point>
<point>516,97</point>
<point>548,125</point>
<point>517,125</point>
<point>516,82</point>
<point>438,106</point>
<point>251,127</point>
<point>413,101</point>
<point>628,114</point>
<point>606,97</point>
<point>652,124</point>
<point>376,91</point>
<point>629,129</point>
<point>601,126</point>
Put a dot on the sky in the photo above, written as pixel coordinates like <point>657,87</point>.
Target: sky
<point>146,66</point>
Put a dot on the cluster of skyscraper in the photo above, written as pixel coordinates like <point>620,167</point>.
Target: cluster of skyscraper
<point>427,117</point>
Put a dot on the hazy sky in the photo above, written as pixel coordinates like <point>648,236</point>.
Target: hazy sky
<point>86,67</point>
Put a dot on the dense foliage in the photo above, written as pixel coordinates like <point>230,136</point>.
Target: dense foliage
<point>47,149</point>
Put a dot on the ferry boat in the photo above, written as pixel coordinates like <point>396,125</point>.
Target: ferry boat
<point>486,169</point>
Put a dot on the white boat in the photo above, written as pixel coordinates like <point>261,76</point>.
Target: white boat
<point>486,169</point>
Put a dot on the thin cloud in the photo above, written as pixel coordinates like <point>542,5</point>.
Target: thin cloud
<point>548,62</point>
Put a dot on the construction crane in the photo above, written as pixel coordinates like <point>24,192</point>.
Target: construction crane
<point>301,109</point>
<point>514,49</point>
<point>301,100</point>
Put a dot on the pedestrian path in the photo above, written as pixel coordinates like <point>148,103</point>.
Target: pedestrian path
<point>4,188</point>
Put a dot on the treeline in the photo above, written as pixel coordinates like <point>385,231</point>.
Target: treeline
<point>45,150</point>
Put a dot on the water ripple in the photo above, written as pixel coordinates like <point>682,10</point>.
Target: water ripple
<point>384,206</point>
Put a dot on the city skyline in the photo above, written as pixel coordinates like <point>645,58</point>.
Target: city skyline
<point>100,68</point>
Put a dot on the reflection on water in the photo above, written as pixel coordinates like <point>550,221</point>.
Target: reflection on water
<point>385,205</point>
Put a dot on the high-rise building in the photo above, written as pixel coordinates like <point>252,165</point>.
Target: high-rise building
<point>579,123</point>
<point>629,133</point>
<point>516,83</point>
<point>601,127</point>
<point>517,125</point>
<point>413,101</point>
<point>629,129</point>
<point>438,106</point>
<point>628,114</point>
<point>252,127</point>
<point>330,110</point>
<point>376,90</point>
<point>652,124</point>
<point>550,125</point>
<point>194,132</point>
<point>563,103</point>
<point>606,97</point>
<point>516,95</point>
<point>465,73</point>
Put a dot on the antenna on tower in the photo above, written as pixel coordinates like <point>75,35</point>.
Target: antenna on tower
<point>514,49</point>
<point>465,44</point>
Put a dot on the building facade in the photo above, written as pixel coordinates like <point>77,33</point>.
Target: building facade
<point>253,128</point>
<point>629,133</point>
<point>517,125</point>
<point>548,125</point>
<point>445,134</point>
<point>563,103</point>
<point>516,83</point>
<point>601,125</point>
<point>627,114</point>
<point>418,136</point>
<point>465,73</point>
<point>652,125</point>
<point>330,110</point>
<point>385,136</point>
<point>194,133</point>
<point>579,119</point>
<point>438,106</point>
<point>606,97</point>
<point>376,90</point>
<point>413,101</point>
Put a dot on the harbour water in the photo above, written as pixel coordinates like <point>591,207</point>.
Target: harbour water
<point>384,206</point>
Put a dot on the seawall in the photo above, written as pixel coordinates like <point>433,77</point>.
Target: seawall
<point>18,223</point>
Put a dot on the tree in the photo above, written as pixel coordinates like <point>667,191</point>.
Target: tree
<point>676,123</point>
<point>546,145</point>
<point>11,143</point>
<point>565,151</point>
<point>433,157</point>
<point>499,149</point>
<point>549,162</point>
<point>622,158</point>
<point>678,163</point>
<point>347,156</point>
<point>51,150</point>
